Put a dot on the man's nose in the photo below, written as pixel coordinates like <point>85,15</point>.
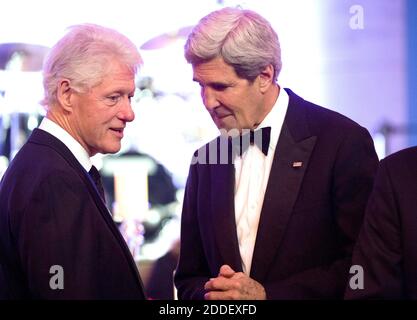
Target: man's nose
<point>126,113</point>
<point>209,98</point>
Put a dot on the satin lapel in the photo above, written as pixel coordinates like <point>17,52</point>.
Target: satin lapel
<point>283,186</point>
<point>223,213</point>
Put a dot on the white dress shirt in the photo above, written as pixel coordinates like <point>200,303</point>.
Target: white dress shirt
<point>73,145</point>
<point>251,178</point>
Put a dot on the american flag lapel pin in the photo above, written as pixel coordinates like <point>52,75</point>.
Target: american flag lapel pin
<point>297,164</point>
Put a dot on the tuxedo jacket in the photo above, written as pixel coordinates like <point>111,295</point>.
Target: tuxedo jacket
<point>387,245</point>
<point>310,218</point>
<point>52,223</point>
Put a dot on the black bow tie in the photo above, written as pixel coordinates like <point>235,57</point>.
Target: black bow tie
<point>95,176</point>
<point>259,137</point>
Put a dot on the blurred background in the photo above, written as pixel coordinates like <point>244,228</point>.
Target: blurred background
<point>355,57</point>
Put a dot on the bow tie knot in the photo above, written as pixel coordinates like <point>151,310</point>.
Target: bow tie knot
<point>260,137</point>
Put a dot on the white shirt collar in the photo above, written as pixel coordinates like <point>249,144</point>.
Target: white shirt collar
<point>73,145</point>
<point>275,118</point>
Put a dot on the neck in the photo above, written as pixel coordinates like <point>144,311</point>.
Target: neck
<point>62,120</point>
<point>271,97</point>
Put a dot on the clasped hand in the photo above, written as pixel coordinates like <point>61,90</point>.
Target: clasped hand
<point>231,285</point>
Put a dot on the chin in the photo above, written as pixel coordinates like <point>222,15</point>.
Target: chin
<point>229,129</point>
<point>111,149</point>
<point>226,126</point>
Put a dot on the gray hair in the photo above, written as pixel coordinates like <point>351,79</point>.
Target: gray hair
<point>83,55</point>
<point>243,38</point>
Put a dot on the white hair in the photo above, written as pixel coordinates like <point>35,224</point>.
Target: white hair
<point>243,38</point>
<point>83,55</point>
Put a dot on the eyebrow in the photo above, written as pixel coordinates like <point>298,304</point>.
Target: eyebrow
<point>215,83</point>
<point>122,92</point>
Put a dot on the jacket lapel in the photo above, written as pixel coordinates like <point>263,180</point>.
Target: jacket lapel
<point>291,158</point>
<point>223,213</point>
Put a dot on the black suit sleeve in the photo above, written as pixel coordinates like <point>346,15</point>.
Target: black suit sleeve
<point>379,248</point>
<point>192,270</point>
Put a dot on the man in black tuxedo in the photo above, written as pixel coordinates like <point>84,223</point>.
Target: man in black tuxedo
<point>385,256</point>
<point>57,239</point>
<point>277,221</point>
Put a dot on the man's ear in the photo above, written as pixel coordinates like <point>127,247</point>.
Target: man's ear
<point>64,94</point>
<point>266,78</point>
